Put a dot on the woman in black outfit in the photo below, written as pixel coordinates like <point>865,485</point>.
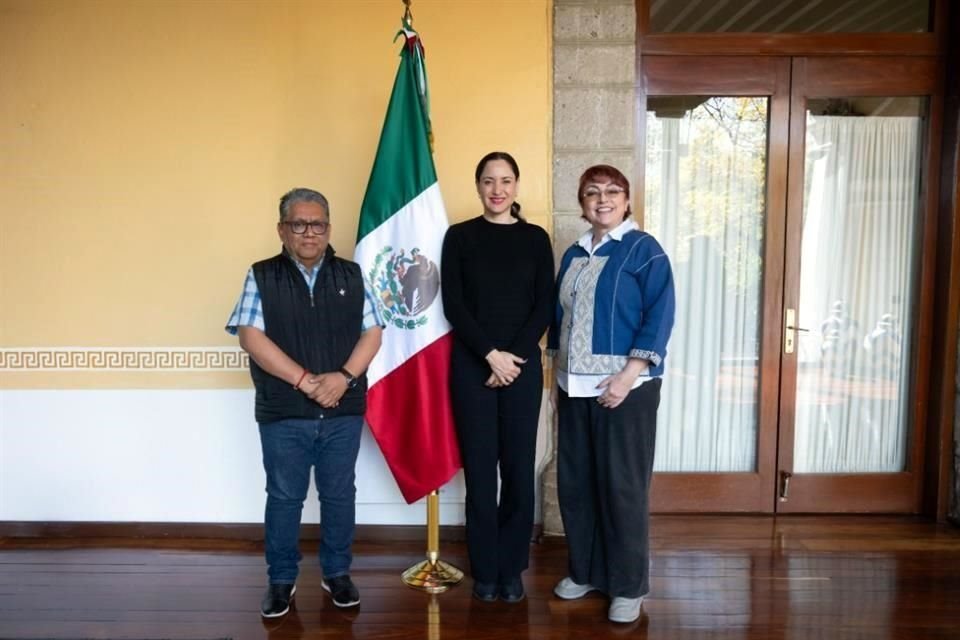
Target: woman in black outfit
<point>497,275</point>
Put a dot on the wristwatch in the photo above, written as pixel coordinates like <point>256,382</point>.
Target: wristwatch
<point>351,379</point>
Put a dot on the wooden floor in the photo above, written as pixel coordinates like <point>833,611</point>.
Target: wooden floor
<point>713,578</point>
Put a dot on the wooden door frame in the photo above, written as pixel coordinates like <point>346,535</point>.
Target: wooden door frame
<point>940,279</point>
<point>762,76</point>
<point>939,464</point>
<point>932,43</point>
<point>838,77</point>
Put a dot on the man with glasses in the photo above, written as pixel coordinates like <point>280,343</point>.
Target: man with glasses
<point>311,329</point>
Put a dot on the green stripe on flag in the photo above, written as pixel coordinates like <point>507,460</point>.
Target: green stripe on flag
<point>403,167</point>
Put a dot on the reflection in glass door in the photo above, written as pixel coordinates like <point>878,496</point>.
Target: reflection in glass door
<point>858,261</point>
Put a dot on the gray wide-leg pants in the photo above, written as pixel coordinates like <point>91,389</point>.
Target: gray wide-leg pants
<point>604,466</point>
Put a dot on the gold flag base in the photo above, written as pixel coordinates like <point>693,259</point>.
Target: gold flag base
<point>432,577</point>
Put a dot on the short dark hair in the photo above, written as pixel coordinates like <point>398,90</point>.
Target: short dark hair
<point>506,157</point>
<point>301,194</point>
<point>612,174</point>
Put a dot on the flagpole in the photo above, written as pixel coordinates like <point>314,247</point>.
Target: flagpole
<point>432,575</point>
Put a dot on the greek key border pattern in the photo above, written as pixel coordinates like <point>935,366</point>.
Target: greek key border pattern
<point>172,359</point>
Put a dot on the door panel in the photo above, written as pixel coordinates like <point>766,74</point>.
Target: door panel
<point>856,223</point>
<point>714,185</point>
<point>795,187</point>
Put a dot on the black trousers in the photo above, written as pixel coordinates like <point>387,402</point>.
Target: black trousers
<point>497,427</point>
<point>604,465</point>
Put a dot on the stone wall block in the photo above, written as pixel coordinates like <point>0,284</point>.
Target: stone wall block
<point>589,118</point>
<point>619,22</point>
<point>594,22</point>
<point>587,65</point>
<point>617,112</point>
<point>577,117</point>
<point>552,522</point>
<point>566,23</point>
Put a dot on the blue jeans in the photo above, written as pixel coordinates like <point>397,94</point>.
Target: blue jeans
<point>290,447</point>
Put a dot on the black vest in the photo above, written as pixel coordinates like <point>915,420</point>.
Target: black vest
<point>318,329</point>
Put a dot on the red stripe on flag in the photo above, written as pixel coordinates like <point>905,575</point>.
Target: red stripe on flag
<point>410,415</point>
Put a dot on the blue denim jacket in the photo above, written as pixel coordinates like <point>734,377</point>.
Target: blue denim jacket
<point>623,301</point>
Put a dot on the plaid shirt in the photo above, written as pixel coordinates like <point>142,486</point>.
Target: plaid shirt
<point>248,311</point>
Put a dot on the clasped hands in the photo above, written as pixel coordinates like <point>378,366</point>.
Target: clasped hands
<point>325,389</point>
<point>504,367</point>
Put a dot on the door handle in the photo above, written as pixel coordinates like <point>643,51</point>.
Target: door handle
<point>789,331</point>
<point>789,334</point>
<point>785,485</point>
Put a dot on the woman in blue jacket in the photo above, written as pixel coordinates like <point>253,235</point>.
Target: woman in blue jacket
<point>614,315</point>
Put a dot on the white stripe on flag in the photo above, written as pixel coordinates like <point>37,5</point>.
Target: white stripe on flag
<point>421,223</point>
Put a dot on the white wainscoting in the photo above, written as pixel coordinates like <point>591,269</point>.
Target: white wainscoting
<point>166,456</point>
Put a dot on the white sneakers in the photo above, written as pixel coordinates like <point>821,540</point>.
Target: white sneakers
<point>621,609</point>
<point>624,609</point>
<point>570,590</point>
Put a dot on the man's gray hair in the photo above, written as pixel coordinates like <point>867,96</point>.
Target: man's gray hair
<point>301,194</point>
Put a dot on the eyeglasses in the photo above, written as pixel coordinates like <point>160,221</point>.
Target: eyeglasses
<point>612,191</point>
<point>299,227</point>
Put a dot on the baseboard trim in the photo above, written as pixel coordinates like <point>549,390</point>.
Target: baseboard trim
<point>200,530</point>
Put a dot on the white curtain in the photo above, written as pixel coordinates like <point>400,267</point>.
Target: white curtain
<point>704,201</point>
<point>856,292</point>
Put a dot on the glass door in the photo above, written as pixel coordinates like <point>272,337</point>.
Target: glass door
<point>856,211</point>
<point>715,170</point>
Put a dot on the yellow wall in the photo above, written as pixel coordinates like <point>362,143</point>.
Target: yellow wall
<point>144,144</point>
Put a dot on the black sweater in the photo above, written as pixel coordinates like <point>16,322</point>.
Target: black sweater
<point>497,284</point>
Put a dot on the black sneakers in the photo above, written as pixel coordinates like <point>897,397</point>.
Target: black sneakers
<point>276,601</point>
<point>342,590</point>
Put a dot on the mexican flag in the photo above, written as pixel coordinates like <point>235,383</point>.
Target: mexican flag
<point>402,222</point>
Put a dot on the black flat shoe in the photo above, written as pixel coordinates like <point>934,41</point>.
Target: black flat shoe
<point>485,591</point>
<point>276,601</point>
<point>512,590</point>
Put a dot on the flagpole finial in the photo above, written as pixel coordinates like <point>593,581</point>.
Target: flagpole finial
<point>407,16</point>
